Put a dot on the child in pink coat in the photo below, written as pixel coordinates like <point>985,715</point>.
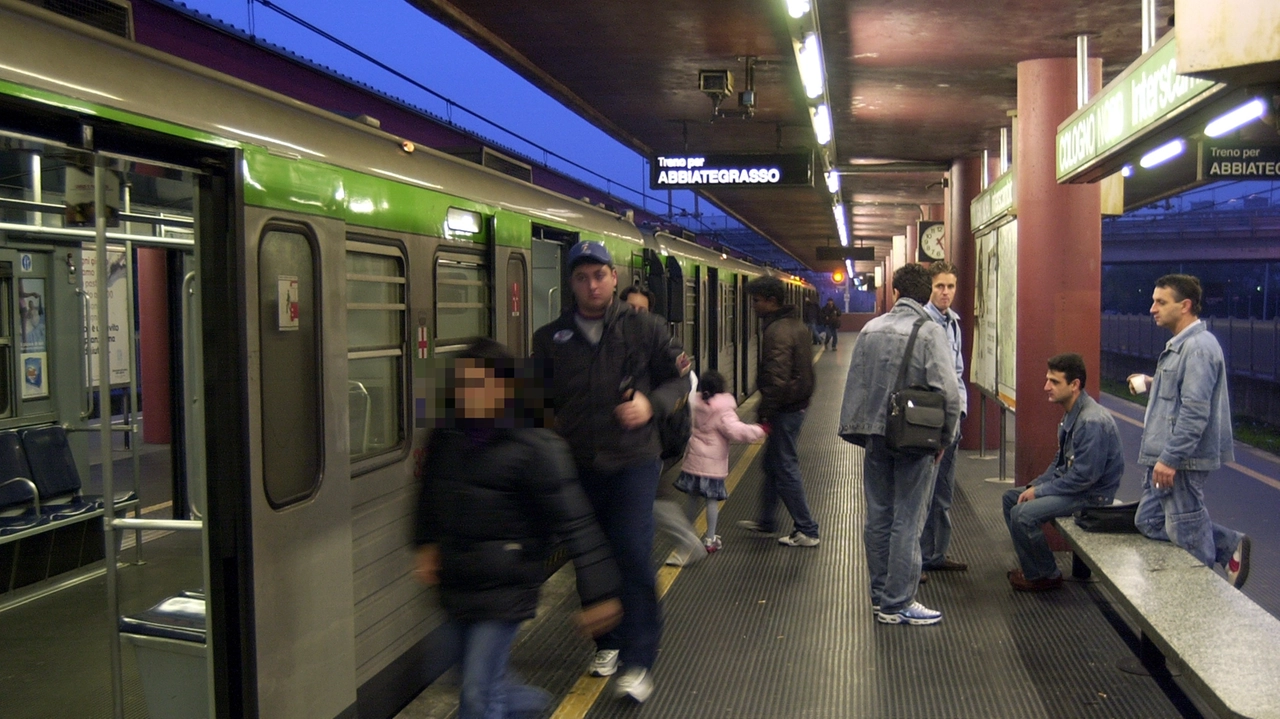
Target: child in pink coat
<point>706,459</point>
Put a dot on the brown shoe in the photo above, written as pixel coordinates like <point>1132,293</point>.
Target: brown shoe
<point>1022,584</point>
<point>924,578</point>
<point>949,565</point>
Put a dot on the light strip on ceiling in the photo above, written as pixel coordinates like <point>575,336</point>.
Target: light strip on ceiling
<point>822,124</point>
<point>841,227</point>
<point>1247,112</point>
<point>797,8</point>
<point>1164,153</point>
<point>809,58</point>
<point>833,182</point>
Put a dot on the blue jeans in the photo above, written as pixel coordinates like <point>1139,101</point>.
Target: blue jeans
<point>782,475</point>
<point>623,503</point>
<point>937,523</point>
<point>488,691</point>
<point>897,489</point>
<point>1177,514</point>
<point>1025,521</point>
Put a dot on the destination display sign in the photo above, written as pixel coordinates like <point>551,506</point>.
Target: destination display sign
<point>692,171</point>
<point>857,254</point>
<point>1149,91</point>
<point>1239,161</point>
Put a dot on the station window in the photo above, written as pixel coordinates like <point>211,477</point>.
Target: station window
<point>463,303</point>
<point>375,347</point>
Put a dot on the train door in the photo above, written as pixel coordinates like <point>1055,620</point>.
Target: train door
<point>691,328</point>
<point>518,332</point>
<point>713,318</point>
<point>546,293</point>
<point>729,335</point>
<point>746,339</point>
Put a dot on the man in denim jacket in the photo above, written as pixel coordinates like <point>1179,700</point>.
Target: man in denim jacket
<point>1187,433</point>
<point>897,486</point>
<point>1085,472</point>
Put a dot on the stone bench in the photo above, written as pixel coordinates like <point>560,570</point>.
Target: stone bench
<point>1227,646</point>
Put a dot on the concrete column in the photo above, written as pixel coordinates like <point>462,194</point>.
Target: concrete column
<point>1059,258</point>
<point>153,338</point>
<point>965,180</point>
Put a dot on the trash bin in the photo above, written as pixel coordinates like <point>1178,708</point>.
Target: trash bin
<point>169,642</point>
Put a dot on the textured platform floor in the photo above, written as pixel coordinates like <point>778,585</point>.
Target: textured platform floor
<point>763,630</point>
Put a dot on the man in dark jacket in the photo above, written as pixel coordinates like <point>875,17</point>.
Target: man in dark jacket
<point>812,317</point>
<point>831,320</point>
<point>485,532</point>
<point>786,383</point>
<point>615,375</point>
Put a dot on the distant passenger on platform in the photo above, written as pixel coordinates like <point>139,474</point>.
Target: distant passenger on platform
<point>937,523</point>
<point>831,321</point>
<point>786,384</point>
<point>498,492</point>
<point>1085,472</point>
<point>1187,433</point>
<point>615,375</point>
<point>638,297</point>
<point>706,461</point>
<point>897,486</point>
<point>810,315</point>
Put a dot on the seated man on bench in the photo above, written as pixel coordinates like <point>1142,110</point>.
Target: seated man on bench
<point>1086,471</point>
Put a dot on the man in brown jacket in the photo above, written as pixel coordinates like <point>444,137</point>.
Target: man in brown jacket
<point>786,383</point>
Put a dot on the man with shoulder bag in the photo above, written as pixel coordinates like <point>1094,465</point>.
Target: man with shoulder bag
<point>1085,473</point>
<point>901,359</point>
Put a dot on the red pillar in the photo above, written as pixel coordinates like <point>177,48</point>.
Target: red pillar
<point>965,183</point>
<point>1059,258</point>
<point>153,337</point>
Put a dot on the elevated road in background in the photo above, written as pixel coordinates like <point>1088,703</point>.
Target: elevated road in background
<point>1242,495</point>
<point>1197,236</point>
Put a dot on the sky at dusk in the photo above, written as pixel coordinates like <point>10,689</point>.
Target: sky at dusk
<point>401,36</point>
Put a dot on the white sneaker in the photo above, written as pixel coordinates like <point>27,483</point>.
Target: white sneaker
<point>636,683</point>
<point>605,663</point>
<point>915,614</point>
<point>798,539</point>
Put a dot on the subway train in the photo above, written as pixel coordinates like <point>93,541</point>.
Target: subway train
<point>316,266</point>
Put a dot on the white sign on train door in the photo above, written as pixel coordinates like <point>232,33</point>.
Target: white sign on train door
<point>117,311</point>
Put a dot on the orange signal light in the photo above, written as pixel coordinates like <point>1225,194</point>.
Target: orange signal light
<point>837,277</point>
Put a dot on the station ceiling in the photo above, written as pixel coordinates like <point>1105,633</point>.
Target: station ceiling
<point>909,81</point>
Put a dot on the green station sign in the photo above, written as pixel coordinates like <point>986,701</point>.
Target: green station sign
<point>1149,91</point>
<point>992,203</point>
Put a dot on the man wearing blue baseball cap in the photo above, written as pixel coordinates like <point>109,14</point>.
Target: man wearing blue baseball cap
<point>615,374</point>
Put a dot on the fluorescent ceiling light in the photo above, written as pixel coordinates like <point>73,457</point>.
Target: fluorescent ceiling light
<point>833,182</point>
<point>841,227</point>
<point>848,265</point>
<point>1247,112</point>
<point>797,8</point>
<point>809,58</point>
<point>822,124</point>
<point>1126,171</point>
<point>1165,152</point>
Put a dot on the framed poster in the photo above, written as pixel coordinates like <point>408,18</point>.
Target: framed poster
<point>32,313</point>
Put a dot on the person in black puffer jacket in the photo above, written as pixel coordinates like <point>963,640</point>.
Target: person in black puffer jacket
<point>497,494</point>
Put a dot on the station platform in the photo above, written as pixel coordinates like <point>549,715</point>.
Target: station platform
<point>764,630</point>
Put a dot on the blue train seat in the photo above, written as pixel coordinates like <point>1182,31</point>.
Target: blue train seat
<point>19,499</point>
<point>53,469</point>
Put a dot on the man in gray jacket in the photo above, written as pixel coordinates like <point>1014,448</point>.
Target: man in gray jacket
<point>897,486</point>
<point>1187,433</point>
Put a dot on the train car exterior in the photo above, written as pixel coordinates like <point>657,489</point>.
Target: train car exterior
<point>331,263</point>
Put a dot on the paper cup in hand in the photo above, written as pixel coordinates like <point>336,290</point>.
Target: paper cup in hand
<point>1138,384</point>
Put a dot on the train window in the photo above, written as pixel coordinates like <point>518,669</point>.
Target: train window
<point>6,340</point>
<point>462,302</point>
<point>375,347</point>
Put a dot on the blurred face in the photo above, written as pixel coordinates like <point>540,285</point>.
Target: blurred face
<point>638,301</point>
<point>479,393</point>
<point>1167,310</point>
<point>593,287</point>
<point>1058,389</point>
<point>763,305</point>
<point>944,291</point>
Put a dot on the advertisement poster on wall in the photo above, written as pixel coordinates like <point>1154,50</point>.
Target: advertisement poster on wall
<point>32,332</point>
<point>117,311</point>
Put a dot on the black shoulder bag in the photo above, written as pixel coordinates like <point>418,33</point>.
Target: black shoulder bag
<point>916,414</point>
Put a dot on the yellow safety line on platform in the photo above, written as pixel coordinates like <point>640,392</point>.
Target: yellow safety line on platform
<point>587,689</point>
<point>1269,481</point>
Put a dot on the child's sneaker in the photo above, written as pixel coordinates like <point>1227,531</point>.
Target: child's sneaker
<point>712,543</point>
